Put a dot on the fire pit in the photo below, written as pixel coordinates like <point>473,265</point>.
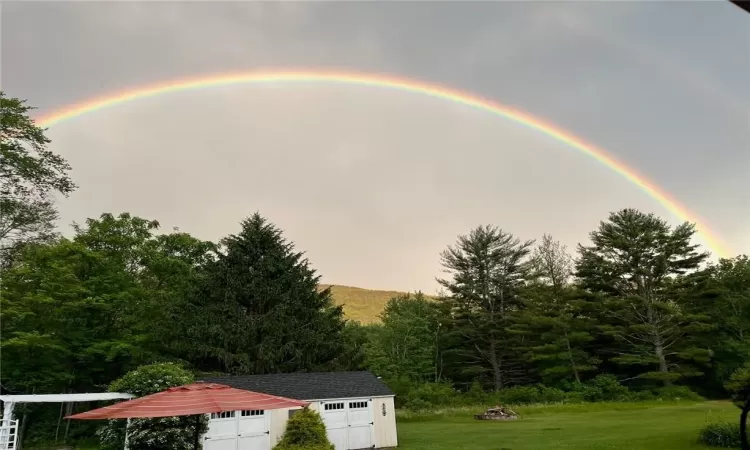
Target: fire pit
<point>497,413</point>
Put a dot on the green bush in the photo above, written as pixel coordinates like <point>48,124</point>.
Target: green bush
<point>721,434</point>
<point>428,395</point>
<point>642,396</point>
<point>677,393</point>
<point>304,431</point>
<point>169,433</point>
<point>519,395</point>
<point>606,388</point>
<point>476,395</point>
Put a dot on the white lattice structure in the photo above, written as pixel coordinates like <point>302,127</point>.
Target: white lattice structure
<point>9,426</point>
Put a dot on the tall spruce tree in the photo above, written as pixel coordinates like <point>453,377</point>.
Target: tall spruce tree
<point>488,268</point>
<point>557,316</point>
<point>636,260</point>
<point>257,308</point>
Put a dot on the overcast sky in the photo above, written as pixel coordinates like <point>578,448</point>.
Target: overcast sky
<point>373,183</point>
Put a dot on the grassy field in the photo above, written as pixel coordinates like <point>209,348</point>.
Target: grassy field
<point>362,305</point>
<point>579,427</point>
<point>624,426</point>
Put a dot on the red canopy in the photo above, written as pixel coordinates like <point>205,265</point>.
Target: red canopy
<point>188,400</point>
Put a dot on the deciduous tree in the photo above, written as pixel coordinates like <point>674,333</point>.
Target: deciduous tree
<point>30,176</point>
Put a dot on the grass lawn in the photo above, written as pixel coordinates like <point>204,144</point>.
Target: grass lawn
<point>598,426</point>
<point>580,427</point>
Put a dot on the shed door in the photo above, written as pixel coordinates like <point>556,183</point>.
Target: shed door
<point>360,423</point>
<point>238,430</point>
<point>337,426</point>
<point>222,432</point>
<point>253,430</point>
<point>349,423</point>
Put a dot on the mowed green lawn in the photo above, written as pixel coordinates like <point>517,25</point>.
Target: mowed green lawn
<point>580,427</point>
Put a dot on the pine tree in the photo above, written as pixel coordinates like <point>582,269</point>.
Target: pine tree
<point>257,308</point>
<point>488,268</point>
<point>722,291</point>
<point>636,260</point>
<point>558,319</point>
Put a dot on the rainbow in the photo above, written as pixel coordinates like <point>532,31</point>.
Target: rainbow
<point>413,86</point>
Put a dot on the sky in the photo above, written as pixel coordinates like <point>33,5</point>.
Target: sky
<point>372,183</point>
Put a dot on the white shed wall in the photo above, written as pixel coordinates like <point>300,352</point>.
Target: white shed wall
<point>384,412</point>
<point>385,433</point>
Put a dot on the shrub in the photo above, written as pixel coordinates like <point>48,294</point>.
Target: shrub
<point>429,395</point>
<point>721,434</point>
<point>552,395</point>
<point>519,395</point>
<point>641,396</point>
<point>304,431</point>
<point>475,395</point>
<point>605,388</point>
<point>169,433</point>
<point>677,393</point>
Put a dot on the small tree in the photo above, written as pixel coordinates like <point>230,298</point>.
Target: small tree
<point>169,433</point>
<point>305,431</point>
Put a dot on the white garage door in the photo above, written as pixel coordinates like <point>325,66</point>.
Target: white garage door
<point>238,430</point>
<point>349,423</point>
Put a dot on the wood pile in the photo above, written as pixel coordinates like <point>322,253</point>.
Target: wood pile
<point>497,413</point>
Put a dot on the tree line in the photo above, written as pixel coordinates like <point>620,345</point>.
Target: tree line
<point>640,302</point>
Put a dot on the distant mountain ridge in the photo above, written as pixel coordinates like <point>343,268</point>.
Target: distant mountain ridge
<point>362,305</point>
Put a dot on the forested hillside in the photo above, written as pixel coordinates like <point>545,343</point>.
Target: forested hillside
<point>361,305</point>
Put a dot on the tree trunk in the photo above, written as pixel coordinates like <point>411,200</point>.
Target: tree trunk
<point>570,358</point>
<point>659,351</point>
<point>497,366</point>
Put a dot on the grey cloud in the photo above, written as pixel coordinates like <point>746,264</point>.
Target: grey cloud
<point>661,86</point>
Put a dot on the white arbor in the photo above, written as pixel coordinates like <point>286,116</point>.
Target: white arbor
<point>9,426</point>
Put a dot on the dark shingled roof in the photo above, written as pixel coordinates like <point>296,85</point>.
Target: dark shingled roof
<point>309,385</point>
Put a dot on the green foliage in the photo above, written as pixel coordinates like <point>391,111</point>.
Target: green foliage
<point>305,430</point>
<point>677,393</point>
<point>633,260</point>
<point>488,267</point>
<point>260,285</point>
<point>605,387</point>
<point>721,434</point>
<point>738,385</point>
<point>428,395</point>
<point>557,323</point>
<point>30,177</point>
<point>176,433</point>
<point>406,344</point>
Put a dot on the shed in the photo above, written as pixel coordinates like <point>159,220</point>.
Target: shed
<point>357,409</point>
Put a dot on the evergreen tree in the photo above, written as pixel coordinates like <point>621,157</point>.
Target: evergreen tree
<point>488,268</point>
<point>257,308</point>
<point>558,316</point>
<point>635,259</point>
<point>722,291</point>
